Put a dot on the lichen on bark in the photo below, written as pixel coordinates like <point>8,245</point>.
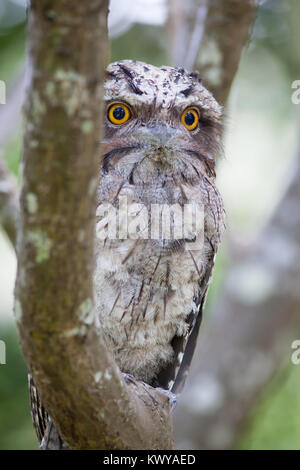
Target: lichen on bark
<point>78,381</point>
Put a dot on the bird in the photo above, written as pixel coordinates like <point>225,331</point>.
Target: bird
<point>162,139</point>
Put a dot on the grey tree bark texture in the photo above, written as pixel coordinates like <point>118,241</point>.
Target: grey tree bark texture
<point>82,388</point>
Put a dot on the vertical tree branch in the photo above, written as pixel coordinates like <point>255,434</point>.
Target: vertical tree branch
<point>83,390</point>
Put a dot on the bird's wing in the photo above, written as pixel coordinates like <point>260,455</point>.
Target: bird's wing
<point>173,377</point>
<point>38,412</point>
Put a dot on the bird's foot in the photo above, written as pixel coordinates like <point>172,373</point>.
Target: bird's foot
<point>171,396</point>
<point>130,379</point>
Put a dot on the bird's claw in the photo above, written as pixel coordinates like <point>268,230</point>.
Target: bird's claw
<point>130,379</point>
<point>171,396</point>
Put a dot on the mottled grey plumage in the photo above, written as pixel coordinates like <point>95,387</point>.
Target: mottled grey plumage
<point>149,292</point>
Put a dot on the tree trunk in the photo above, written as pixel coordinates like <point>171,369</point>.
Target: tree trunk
<point>79,383</point>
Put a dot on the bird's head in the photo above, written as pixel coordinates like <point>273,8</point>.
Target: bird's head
<point>160,123</point>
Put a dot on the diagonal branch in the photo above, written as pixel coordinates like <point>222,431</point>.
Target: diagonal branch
<point>209,36</point>
<point>82,388</point>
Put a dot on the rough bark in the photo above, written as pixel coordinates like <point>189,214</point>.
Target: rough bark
<point>209,36</point>
<point>91,404</point>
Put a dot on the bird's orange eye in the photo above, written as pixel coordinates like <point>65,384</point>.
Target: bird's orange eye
<point>190,118</point>
<point>118,113</point>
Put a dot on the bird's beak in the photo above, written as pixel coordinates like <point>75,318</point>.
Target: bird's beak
<point>158,136</point>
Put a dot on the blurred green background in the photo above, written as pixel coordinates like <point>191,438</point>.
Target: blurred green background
<point>261,141</point>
